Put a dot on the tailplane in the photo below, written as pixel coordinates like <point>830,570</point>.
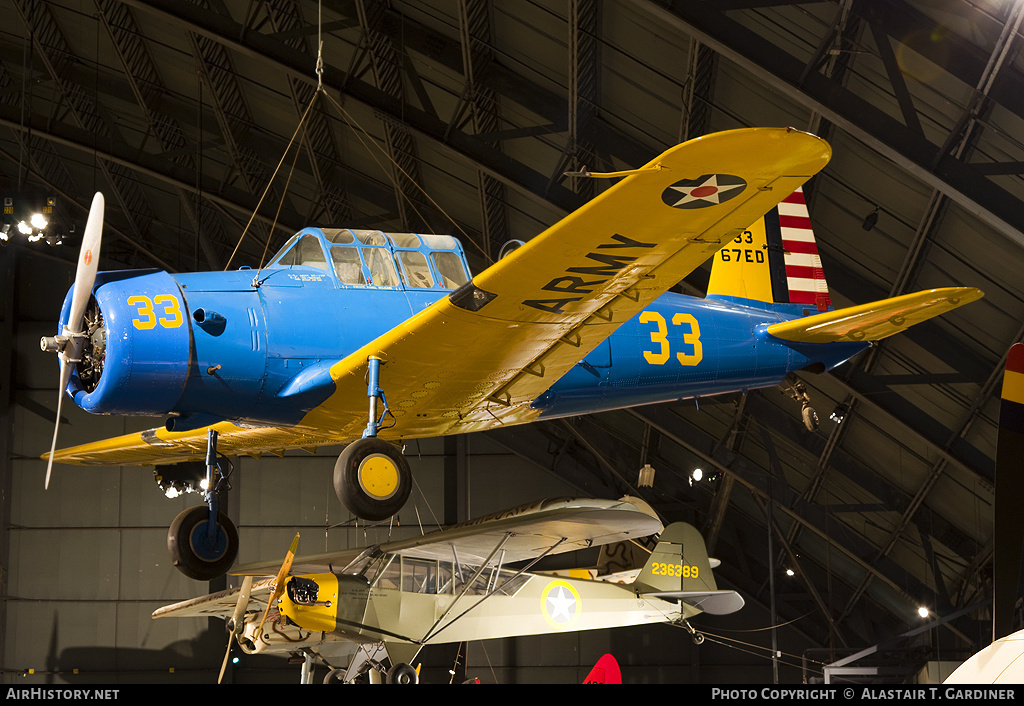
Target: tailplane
<point>774,261</point>
<point>679,569</point>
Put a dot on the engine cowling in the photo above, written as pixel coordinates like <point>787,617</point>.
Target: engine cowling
<point>136,356</point>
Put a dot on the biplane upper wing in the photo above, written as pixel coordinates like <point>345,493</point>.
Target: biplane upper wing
<point>482,355</point>
<point>525,532</point>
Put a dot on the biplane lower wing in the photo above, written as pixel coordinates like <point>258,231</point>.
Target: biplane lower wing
<point>480,356</point>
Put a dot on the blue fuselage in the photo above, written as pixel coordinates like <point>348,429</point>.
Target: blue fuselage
<point>258,347</point>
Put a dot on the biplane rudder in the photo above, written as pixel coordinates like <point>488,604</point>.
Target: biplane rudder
<point>774,262</point>
<point>679,562</point>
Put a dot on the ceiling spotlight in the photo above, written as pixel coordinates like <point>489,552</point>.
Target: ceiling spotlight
<point>839,413</point>
<point>24,228</point>
<point>790,572</point>
<point>923,612</point>
<point>870,220</point>
<point>38,221</point>
<point>699,474</point>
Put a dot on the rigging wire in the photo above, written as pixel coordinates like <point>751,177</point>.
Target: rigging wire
<point>368,143</point>
<point>302,121</point>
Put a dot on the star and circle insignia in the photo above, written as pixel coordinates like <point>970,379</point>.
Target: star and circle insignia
<point>706,190</point>
<point>560,604</point>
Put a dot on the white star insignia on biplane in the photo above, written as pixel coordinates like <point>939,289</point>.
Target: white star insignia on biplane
<point>708,190</point>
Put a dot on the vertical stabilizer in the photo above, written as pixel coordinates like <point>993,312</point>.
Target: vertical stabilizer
<point>1009,521</point>
<point>679,569</point>
<point>774,261</point>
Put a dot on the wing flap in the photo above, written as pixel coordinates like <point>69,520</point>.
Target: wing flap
<point>874,321</point>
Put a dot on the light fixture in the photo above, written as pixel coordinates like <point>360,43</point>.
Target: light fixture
<point>870,220</point>
<point>923,612</point>
<point>24,228</point>
<point>839,413</point>
<point>646,479</point>
<point>698,475</point>
<point>37,221</point>
<point>790,572</point>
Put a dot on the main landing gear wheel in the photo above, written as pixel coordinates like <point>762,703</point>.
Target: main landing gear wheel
<point>403,673</point>
<point>372,479</point>
<point>197,554</point>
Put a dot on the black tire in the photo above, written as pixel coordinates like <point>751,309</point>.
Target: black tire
<point>388,480</point>
<point>403,673</point>
<point>187,548</point>
<point>335,676</point>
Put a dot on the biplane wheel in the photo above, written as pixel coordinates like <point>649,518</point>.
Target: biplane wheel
<point>194,552</point>
<point>336,676</point>
<point>403,673</point>
<point>372,479</point>
<point>810,417</point>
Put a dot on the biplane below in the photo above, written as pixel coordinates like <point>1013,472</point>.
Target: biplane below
<point>367,338</point>
<point>359,610</point>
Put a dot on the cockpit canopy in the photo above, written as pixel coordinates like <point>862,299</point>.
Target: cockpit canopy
<point>372,258</point>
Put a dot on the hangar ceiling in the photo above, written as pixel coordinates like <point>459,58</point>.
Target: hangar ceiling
<point>203,124</point>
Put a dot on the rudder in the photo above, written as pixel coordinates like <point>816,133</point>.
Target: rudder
<point>774,261</point>
<point>679,569</point>
<point>679,562</point>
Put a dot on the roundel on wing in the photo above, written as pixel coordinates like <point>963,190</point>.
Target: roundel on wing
<point>707,190</point>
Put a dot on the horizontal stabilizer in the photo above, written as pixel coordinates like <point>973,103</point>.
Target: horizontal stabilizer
<point>874,321</point>
<point>711,602</point>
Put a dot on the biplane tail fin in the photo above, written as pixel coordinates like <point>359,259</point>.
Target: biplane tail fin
<point>774,261</point>
<point>1009,486</point>
<point>679,569</point>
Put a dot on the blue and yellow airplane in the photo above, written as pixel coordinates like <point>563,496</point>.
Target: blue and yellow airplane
<point>365,338</point>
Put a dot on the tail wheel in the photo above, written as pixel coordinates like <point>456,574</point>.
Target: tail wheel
<point>403,673</point>
<point>372,479</point>
<point>195,551</point>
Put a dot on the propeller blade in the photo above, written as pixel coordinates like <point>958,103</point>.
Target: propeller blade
<point>88,262</point>
<point>85,277</point>
<point>65,376</point>
<point>236,622</point>
<point>279,581</point>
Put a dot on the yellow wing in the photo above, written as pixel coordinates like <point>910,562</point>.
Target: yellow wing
<point>877,320</point>
<point>478,358</point>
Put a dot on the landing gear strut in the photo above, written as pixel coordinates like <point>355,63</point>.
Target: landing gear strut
<point>202,541</point>
<point>372,477</point>
<point>798,392</point>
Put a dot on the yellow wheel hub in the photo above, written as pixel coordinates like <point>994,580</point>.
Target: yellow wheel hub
<point>378,476</point>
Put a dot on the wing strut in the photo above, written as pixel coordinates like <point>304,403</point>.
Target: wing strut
<point>434,629</point>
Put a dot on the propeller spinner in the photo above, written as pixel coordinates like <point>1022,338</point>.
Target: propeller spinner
<point>69,343</point>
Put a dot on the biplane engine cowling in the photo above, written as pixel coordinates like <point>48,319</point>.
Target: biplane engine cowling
<point>136,355</point>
